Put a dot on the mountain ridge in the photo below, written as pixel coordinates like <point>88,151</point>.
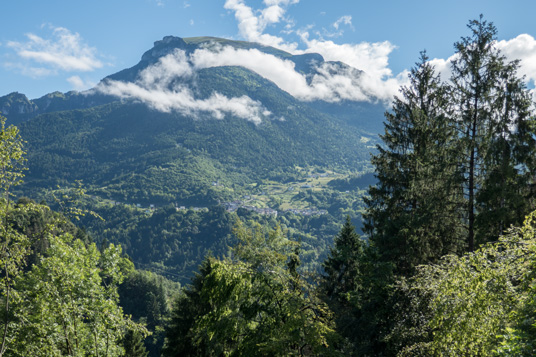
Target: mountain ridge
<point>17,107</point>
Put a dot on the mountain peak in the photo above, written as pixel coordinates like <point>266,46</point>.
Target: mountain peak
<point>163,47</point>
<point>16,104</point>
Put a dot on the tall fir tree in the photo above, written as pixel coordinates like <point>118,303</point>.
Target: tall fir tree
<point>496,133</point>
<point>343,275</point>
<point>412,212</point>
<point>342,265</point>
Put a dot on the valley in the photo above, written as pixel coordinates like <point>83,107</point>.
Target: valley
<point>224,197</point>
<point>163,179</point>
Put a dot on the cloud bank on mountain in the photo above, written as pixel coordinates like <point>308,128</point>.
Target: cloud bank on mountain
<point>157,87</point>
<point>378,81</point>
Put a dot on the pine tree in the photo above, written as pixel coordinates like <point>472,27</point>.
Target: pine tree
<point>133,344</point>
<point>342,265</point>
<point>343,277</point>
<point>412,212</point>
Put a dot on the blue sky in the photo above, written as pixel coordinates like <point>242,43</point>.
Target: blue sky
<point>63,45</point>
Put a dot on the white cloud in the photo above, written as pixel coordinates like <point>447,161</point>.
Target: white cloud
<point>76,82</point>
<point>79,84</point>
<point>372,58</point>
<point>523,47</point>
<point>443,67</point>
<point>161,86</point>
<point>252,26</point>
<point>65,51</point>
<point>33,72</point>
<point>346,20</point>
<point>158,87</point>
<point>331,82</point>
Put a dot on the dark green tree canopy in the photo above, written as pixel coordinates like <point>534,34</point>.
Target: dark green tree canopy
<point>411,215</point>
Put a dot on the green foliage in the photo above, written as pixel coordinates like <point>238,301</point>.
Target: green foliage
<point>496,129</point>
<point>71,302</point>
<point>58,292</point>
<point>256,303</point>
<point>147,297</point>
<point>12,158</point>
<point>133,344</point>
<point>343,275</point>
<point>412,213</point>
<point>14,246</point>
<point>143,156</point>
<point>480,302</point>
<point>341,266</point>
<point>455,171</point>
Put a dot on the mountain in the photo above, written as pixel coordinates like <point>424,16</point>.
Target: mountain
<point>193,136</point>
<point>141,154</point>
<point>365,115</point>
<point>304,63</point>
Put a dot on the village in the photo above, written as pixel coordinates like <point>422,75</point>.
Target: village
<point>260,202</point>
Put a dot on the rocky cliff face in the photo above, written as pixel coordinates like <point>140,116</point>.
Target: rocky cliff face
<point>16,105</point>
<point>164,47</point>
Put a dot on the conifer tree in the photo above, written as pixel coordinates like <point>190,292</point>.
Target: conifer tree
<point>342,264</point>
<point>133,344</point>
<point>492,112</point>
<point>412,212</point>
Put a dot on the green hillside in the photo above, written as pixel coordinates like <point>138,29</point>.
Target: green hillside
<point>161,180</point>
<point>139,154</point>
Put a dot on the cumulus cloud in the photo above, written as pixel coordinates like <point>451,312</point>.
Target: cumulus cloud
<point>159,87</point>
<point>64,51</point>
<point>443,66</point>
<point>522,47</point>
<point>331,82</point>
<point>252,24</point>
<point>372,58</point>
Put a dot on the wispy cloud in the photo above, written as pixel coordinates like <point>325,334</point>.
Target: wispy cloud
<point>159,87</point>
<point>336,28</point>
<point>64,51</point>
<point>343,20</point>
<point>79,84</point>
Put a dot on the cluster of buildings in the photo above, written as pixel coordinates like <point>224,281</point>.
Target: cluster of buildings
<point>318,175</point>
<point>307,211</point>
<point>234,205</point>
